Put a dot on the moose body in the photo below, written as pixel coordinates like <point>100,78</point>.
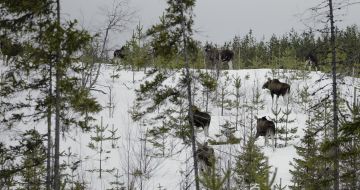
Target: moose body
<point>201,119</point>
<point>10,49</point>
<point>277,87</point>
<point>311,61</point>
<point>205,155</point>
<point>265,128</point>
<point>219,57</point>
<point>120,53</point>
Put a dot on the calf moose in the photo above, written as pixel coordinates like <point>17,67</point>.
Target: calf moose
<point>265,128</point>
<point>276,87</point>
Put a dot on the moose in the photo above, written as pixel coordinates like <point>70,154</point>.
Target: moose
<point>218,57</point>
<point>276,87</point>
<point>201,119</point>
<point>205,155</point>
<point>9,49</point>
<point>311,61</point>
<point>265,128</point>
<point>120,53</point>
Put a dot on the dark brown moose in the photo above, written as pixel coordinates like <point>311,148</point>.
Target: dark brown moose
<point>217,58</point>
<point>120,53</point>
<point>277,87</point>
<point>311,61</point>
<point>205,155</point>
<point>201,119</point>
<point>265,128</point>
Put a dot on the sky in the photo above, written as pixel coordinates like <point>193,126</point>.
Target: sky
<point>216,21</point>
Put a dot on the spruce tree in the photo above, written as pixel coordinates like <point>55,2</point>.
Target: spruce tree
<point>223,99</point>
<point>212,180</point>
<point>349,142</point>
<point>285,132</point>
<point>252,168</point>
<point>209,85</point>
<point>310,169</point>
<point>97,143</point>
<point>172,38</point>
<point>34,156</point>
<point>42,62</point>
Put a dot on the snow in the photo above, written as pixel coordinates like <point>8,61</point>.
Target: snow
<point>167,170</point>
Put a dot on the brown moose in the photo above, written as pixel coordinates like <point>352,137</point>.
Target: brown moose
<point>206,156</point>
<point>276,87</point>
<point>201,119</point>
<point>265,128</point>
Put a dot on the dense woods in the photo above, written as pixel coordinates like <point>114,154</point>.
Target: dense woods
<point>59,83</point>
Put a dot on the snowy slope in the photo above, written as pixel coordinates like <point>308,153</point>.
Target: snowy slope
<point>166,172</point>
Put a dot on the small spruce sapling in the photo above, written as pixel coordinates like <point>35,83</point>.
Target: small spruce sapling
<point>209,85</point>
<point>97,144</point>
<point>212,180</point>
<point>117,184</point>
<point>224,103</point>
<point>285,132</point>
<point>252,168</point>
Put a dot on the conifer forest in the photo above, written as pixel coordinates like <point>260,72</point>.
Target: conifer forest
<point>167,111</point>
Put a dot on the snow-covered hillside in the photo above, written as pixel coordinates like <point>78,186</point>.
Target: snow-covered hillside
<point>124,154</point>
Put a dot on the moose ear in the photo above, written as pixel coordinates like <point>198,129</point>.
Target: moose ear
<point>269,79</point>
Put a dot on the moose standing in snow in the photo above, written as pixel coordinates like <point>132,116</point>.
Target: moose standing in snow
<point>201,119</point>
<point>265,128</point>
<point>206,156</point>
<point>120,53</point>
<point>311,62</point>
<point>217,57</point>
<point>276,87</point>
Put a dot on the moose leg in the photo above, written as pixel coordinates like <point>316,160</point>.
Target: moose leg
<point>206,131</point>
<point>307,64</point>
<point>272,135</point>
<point>285,98</point>
<point>266,139</point>
<point>230,65</point>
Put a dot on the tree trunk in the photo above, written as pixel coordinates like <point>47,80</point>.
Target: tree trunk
<point>190,112</point>
<point>334,85</point>
<point>48,152</point>
<point>57,109</point>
